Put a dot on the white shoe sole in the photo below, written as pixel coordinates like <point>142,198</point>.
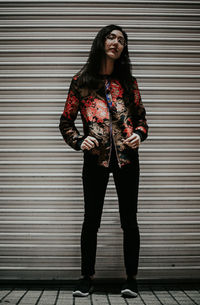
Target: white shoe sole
<point>78,293</point>
<point>129,293</point>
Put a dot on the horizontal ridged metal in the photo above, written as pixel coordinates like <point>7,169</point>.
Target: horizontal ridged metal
<point>43,44</point>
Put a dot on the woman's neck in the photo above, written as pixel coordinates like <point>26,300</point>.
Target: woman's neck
<point>107,67</point>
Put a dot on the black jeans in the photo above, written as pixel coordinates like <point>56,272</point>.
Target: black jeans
<point>95,180</point>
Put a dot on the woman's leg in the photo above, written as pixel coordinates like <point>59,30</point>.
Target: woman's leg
<point>127,182</point>
<point>95,180</point>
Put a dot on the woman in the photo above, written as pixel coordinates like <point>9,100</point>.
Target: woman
<point>114,123</point>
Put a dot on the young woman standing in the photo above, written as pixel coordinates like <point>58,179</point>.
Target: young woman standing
<point>114,124</point>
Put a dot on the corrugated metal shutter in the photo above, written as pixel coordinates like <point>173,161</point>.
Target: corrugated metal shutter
<point>43,44</point>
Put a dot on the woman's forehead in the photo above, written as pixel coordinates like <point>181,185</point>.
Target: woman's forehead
<point>117,33</point>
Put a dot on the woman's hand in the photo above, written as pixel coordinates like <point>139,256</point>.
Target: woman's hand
<point>133,141</point>
<point>89,143</point>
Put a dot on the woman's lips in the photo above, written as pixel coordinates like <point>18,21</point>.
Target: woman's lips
<point>113,50</point>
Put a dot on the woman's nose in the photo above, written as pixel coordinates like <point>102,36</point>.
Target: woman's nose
<point>115,41</point>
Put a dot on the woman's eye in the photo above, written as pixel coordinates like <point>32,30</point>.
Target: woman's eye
<point>111,37</point>
<point>120,40</point>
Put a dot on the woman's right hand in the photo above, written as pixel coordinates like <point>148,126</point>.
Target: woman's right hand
<point>89,143</point>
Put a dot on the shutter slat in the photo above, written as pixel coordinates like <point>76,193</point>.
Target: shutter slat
<point>43,44</point>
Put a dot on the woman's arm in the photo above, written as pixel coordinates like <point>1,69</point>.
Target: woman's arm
<point>140,122</point>
<point>67,127</point>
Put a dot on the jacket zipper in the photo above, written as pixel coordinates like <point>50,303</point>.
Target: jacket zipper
<point>116,152</point>
<point>112,137</point>
<point>110,144</point>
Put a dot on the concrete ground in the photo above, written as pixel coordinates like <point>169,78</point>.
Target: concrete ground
<point>185,293</point>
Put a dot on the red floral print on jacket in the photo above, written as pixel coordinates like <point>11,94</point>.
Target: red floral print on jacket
<point>96,120</point>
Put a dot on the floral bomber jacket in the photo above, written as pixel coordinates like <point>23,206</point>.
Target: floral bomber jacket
<point>98,120</point>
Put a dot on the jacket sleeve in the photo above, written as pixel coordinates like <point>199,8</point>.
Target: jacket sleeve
<point>140,122</point>
<point>67,127</point>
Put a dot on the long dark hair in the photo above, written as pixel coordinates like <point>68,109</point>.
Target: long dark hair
<point>89,75</point>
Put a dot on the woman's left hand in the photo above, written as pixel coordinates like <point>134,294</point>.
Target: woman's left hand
<point>133,141</point>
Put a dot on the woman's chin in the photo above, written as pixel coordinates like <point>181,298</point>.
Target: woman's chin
<point>112,55</point>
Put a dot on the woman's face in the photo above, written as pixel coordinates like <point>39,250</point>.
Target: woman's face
<point>114,44</point>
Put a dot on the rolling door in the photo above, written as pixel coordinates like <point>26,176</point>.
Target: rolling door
<point>43,44</point>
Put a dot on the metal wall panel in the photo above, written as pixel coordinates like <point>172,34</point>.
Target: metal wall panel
<point>43,44</point>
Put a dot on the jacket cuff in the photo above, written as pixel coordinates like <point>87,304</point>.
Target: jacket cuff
<point>140,134</point>
<point>79,142</point>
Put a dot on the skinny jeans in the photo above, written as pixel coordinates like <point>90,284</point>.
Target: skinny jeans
<point>95,179</point>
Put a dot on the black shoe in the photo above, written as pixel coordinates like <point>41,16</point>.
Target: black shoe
<point>83,287</point>
<point>129,288</point>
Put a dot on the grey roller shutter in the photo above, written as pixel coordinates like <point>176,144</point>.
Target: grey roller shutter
<point>43,44</point>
